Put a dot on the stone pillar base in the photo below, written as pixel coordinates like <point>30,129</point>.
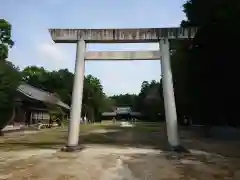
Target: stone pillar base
<point>179,149</point>
<point>72,148</point>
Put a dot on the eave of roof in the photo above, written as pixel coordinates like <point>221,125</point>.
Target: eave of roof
<point>40,95</point>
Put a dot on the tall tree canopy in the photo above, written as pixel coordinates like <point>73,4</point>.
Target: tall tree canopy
<point>9,74</point>
<point>210,70</point>
<point>149,101</point>
<point>124,100</point>
<point>61,82</point>
<point>5,38</point>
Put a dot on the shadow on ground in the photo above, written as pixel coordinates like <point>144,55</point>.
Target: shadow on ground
<point>141,136</point>
<point>127,137</point>
<point>155,137</point>
<point>33,145</point>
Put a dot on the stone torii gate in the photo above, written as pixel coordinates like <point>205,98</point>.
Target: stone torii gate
<point>143,35</point>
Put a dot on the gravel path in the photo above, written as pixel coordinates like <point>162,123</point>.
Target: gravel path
<point>112,163</point>
<point>108,162</point>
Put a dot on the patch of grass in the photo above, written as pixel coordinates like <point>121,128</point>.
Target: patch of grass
<point>43,139</point>
<point>150,127</point>
<point>138,136</point>
<point>143,134</point>
<point>141,127</point>
<point>91,127</point>
<point>47,138</point>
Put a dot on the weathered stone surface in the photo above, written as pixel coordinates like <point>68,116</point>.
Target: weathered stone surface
<point>72,148</point>
<point>122,55</point>
<point>120,35</point>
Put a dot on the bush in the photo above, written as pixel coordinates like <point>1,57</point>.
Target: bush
<point>9,81</point>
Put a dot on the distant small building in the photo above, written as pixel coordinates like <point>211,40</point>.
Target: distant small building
<point>32,106</point>
<point>108,115</point>
<point>123,112</point>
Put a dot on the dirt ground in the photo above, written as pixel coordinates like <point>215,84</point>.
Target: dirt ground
<point>114,153</point>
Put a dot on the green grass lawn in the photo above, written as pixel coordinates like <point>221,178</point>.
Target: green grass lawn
<point>57,137</point>
<point>46,138</point>
<point>142,135</point>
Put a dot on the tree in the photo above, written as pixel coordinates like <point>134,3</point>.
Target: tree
<point>61,83</point>
<point>10,78</point>
<point>36,76</point>
<point>9,75</point>
<point>181,79</point>
<point>5,38</point>
<point>56,113</point>
<point>124,100</point>
<point>150,101</point>
<point>93,97</point>
<point>212,63</point>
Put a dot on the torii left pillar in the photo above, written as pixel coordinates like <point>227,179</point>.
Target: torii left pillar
<point>77,94</point>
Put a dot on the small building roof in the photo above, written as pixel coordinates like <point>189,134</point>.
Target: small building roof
<point>123,109</point>
<point>40,95</point>
<point>109,114</point>
<point>115,113</point>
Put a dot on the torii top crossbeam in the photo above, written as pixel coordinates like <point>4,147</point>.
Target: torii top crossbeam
<point>140,35</point>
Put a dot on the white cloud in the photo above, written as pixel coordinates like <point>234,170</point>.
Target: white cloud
<point>52,53</point>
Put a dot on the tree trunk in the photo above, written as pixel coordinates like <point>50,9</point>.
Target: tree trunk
<point>10,120</point>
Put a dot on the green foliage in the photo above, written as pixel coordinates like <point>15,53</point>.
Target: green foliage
<point>10,78</point>
<point>56,113</point>
<point>210,69</point>
<point>149,101</point>
<point>5,38</point>
<point>124,100</point>
<point>61,82</point>
<point>9,74</point>
<point>181,77</point>
<point>94,100</point>
<point>108,104</point>
<point>93,97</point>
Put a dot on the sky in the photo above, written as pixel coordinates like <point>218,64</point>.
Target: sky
<point>31,20</point>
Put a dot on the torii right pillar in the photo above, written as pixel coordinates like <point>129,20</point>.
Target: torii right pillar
<point>169,98</point>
